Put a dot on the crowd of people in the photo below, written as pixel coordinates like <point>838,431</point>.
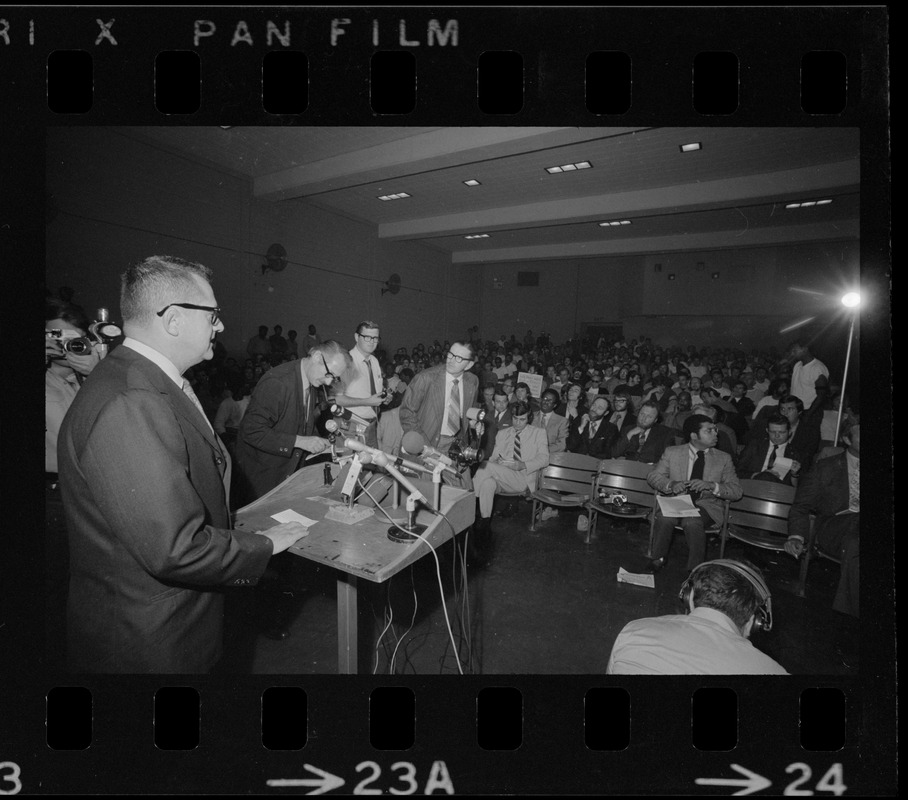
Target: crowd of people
<point>702,415</point>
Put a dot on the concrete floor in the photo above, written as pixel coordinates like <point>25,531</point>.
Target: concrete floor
<point>542,602</point>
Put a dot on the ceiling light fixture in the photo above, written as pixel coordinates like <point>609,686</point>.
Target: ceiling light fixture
<point>397,196</point>
<point>690,147</point>
<point>569,167</point>
<point>614,223</point>
<point>477,236</point>
<point>809,203</point>
<point>472,182</point>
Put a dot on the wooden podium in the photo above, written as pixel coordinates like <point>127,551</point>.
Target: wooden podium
<point>360,550</point>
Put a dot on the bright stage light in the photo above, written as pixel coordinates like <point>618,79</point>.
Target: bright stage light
<point>851,300</point>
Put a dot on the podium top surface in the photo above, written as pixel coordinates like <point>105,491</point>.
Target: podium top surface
<point>362,549</point>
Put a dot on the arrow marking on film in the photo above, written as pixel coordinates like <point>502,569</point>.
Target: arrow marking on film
<point>749,784</point>
<point>325,781</point>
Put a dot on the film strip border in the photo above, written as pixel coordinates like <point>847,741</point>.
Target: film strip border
<point>423,738</point>
<point>454,66</point>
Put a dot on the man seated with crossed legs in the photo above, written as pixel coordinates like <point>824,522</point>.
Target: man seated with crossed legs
<point>520,452</point>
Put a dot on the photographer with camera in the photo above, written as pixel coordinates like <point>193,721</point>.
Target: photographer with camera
<point>68,358</point>
<point>363,392</point>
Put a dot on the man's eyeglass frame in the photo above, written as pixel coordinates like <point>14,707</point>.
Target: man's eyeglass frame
<point>214,310</point>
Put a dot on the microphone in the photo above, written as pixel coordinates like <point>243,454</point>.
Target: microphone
<point>390,463</point>
<point>415,444</point>
<point>343,413</point>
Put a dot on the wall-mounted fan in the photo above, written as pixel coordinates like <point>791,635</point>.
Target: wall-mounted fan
<point>275,259</point>
<point>392,285</point>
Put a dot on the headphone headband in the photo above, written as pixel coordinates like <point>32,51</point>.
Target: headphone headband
<point>764,611</point>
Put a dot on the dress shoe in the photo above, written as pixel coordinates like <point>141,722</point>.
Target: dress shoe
<point>655,565</point>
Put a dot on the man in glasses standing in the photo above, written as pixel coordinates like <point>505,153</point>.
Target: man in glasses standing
<point>144,481</point>
<point>362,392</point>
<point>275,435</point>
<point>436,402</point>
<point>278,428</point>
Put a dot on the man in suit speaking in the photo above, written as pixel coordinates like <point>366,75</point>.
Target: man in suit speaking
<point>707,473</point>
<point>143,478</point>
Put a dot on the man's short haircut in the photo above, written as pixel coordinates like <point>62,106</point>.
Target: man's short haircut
<point>467,345</point>
<point>58,309</point>
<point>693,424</point>
<point>650,404</point>
<point>738,383</point>
<point>278,328</point>
<point>775,384</point>
<point>519,408</point>
<point>499,390</point>
<point>365,325</point>
<point>623,395</point>
<point>778,419</point>
<point>522,385</point>
<point>726,590</point>
<point>793,398</point>
<point>150,285</point>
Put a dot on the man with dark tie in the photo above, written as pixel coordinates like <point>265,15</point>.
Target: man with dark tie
<point>143,478</point>
<point>436,402</point>
<point>758,459</point>
<point>520,452</point>
<point>278,427</point>
<point>703,471</point>
<point>591,434</point>
<point>647,439</point>
<point>554,425</point>
<point>361,392</point>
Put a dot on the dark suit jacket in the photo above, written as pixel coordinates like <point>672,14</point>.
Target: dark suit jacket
<point>600,446</point>
<point>492,428</point>
<point>822,491</point>
<point>424,403</point>
<point>658,439</point>
<point>276,415</point>
<point>754,454</point>
<point>141,475</point>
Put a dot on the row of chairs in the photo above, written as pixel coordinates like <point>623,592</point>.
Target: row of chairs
<point>758,519</point>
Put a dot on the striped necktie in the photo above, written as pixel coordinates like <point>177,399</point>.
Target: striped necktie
<point>454,408</point>
<point>772,457</point>
<point>517,447</point>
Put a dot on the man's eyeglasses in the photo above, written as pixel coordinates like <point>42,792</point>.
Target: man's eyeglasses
<point>458,359</point>
<point>215,310</point>
<point>328,372</point>
<point>369,338</point>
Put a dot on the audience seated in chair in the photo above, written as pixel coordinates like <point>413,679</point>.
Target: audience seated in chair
<point>832,491</point>
<point>705,472</point>
<point>520,452</point>
<point>758,459</point>
<point>647,439</point>
<point>555,426</point>
<point>592,434</point>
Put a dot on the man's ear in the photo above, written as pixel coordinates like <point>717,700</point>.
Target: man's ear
<point>749,625</point>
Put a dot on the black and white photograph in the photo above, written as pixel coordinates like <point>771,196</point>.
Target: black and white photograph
<point>447,400</point>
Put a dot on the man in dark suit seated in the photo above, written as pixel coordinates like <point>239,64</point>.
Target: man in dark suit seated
<point>145,484</point>
<point>647,439</point>
<point>705,472</point>
<point>591,434</point>
<point>759,457</point>
<point>832,491</point>
<point>499,419</point>
<point>622,415</point>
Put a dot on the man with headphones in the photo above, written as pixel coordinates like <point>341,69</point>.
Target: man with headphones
<point>725,601</point>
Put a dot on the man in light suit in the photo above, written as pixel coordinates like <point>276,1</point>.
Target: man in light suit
<point>436,402</point>
<point>554,425</point>
<point>143,477</point>
<point>520,452</point>
<point>707,474</point>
